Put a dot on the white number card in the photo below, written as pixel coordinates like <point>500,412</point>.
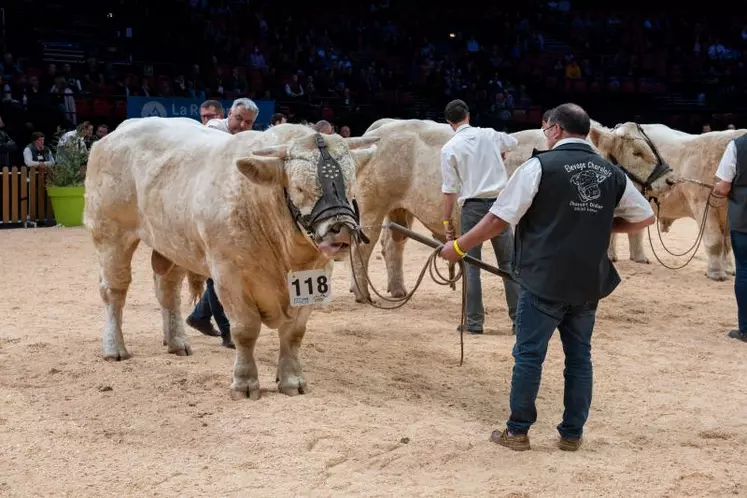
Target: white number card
<point>309,287</point>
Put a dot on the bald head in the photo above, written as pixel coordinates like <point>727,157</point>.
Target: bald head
<point>324,127</point>
<point>572,119</point>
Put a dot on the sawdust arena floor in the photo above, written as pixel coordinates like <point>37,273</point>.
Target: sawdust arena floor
<point>389,412</point>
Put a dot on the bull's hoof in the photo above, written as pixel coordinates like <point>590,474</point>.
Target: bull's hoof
<point>117,355</point>
<point>251,394</point>
<point>397,291</point>
<point>186,350</point>
<point>644,260</point>
<point>717,277</point>
<point>293,390</point>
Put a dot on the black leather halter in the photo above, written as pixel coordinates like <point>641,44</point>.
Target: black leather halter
<point>333,203</point>
<point>661,168</point>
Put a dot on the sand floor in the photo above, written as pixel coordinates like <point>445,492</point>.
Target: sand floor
<point>389,413</point>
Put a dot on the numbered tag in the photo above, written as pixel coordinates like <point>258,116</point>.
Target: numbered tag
<point>309,287</point>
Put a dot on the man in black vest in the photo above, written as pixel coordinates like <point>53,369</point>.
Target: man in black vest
<point>565,203</point>
<point>732,176</point>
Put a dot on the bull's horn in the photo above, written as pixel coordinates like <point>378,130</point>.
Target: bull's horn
<point>279,151</point>
<point>357,142</point>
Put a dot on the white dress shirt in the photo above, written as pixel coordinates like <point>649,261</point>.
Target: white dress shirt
<point>517,196</point>
<point>727,168</point>
<point>219,124</point>
<point>471,163</point>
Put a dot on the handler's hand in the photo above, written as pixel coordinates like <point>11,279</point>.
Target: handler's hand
<point>449,254</point>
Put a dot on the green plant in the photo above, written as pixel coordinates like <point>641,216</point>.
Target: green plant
<point>69,163</point>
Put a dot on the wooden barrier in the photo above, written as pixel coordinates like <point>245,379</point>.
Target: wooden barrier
<point>23,197</point>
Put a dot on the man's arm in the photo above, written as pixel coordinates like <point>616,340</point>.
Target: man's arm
<point>450,187</point>
<point>727,170</point>
<point>633,212</point>
<point>28,159</point>
<point>506,141</point>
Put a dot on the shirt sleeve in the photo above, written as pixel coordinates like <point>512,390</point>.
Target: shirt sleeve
<point>28,159</point>
<point>505,141</point>
<point>633,207</point>
<point>450,184</point>
<point>727,168</point>
<point>516,198</point>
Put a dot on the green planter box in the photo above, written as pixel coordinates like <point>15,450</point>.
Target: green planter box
<point>68,204</point>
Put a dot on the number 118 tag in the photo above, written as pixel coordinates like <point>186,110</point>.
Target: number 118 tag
<point>309,287</point>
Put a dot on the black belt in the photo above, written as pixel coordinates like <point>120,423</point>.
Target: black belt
<point>479,199</point>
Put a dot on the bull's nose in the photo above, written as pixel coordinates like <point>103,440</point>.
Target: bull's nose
<point>671,181</point>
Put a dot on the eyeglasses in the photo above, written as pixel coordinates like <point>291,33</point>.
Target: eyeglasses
<point>544,130</point>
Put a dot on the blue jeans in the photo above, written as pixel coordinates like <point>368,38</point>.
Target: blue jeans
<point>473,211</point>
<point>208,306</point>
<point>536,320</point>
<point>739,246</point>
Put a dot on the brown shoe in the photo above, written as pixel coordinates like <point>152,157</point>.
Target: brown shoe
<point>517,442</point>
<point>569,443</point>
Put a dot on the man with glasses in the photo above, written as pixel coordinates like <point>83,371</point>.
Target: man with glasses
<point>211,109</point>
<point>565,203</point>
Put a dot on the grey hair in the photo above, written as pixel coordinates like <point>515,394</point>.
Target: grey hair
<point>247,103</point>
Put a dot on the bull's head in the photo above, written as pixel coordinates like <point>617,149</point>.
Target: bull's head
<point>317,173</point>
<point>628,146</point>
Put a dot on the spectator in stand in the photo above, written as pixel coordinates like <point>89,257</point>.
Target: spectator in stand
<point>7,145</point>
<point>345,132</point>
<point>78,136</point>
<point>278,118</point>
<point>37,154</point>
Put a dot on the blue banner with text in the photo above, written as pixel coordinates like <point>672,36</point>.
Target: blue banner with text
<point>142,107</point>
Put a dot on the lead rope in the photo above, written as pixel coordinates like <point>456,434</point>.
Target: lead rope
<point>698,239</point>
<point>435,275</point>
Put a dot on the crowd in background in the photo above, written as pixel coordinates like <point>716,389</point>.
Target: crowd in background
<point>351,63</point>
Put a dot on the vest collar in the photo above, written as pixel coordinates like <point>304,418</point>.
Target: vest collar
<point>573,143</point>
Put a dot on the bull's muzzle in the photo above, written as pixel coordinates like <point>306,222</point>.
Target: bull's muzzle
<point>337,239</point>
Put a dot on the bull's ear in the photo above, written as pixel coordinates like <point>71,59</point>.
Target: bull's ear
<point>263,170</point>
<point>361,157</point>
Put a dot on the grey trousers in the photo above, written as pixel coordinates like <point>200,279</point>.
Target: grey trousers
<point>473,210</point>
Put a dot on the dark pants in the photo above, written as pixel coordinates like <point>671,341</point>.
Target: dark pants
<point>536,320</point>
<point>739,246</point>
<point>473,210</point>
<point>208,306</point>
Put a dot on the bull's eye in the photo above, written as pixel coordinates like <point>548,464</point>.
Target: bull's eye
<point>638,153</point>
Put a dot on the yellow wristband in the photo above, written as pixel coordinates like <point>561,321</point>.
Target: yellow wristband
<point>446,222</point>
<point>457,249</point>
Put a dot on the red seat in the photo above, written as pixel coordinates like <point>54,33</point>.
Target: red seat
<point>628,85</point>
<point>580,86</point>
<point>102,108</point>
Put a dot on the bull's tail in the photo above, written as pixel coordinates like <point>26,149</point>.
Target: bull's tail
<point>196,287</point>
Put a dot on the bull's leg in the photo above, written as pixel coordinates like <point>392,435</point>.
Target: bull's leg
<point>392,249</point>
<point>362,255</point>
<point>168,291</point>
<point>290,375</point>
<point>245,326</point>
<point>612,250</point>
<point>115,260</point>
<point>728,259</point>
<point>635,243</point>
<point>713,238</point>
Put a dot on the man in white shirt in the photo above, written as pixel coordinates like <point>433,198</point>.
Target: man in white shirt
<point>473,175</point>
<point>564,203</point>
<point>241,117</point>
<point>732,176</point>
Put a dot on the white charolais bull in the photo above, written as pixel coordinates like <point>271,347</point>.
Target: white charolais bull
<point>403,182</point>
<point>691,156</point>
<point>213,204</point>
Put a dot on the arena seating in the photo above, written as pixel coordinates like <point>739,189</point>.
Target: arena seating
<point>360,62</point>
